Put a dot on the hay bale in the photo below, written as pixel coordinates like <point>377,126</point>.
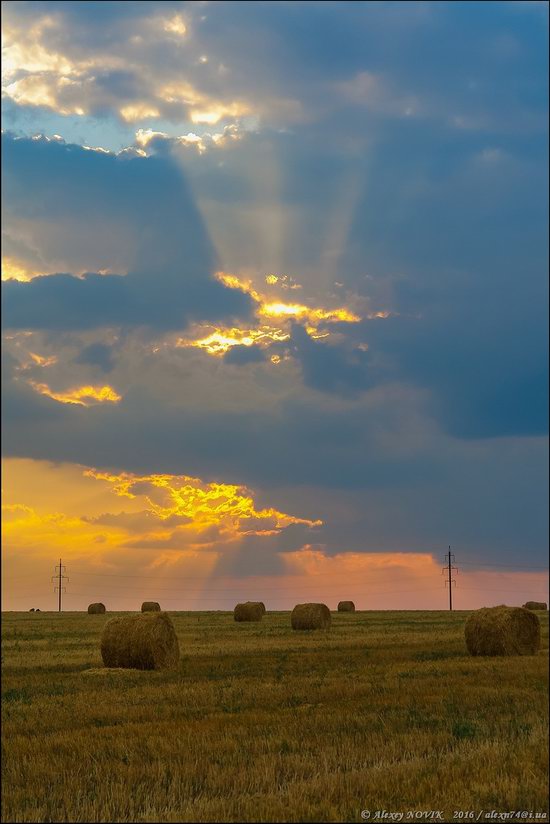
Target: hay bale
<point>502,631</point>
<point>150,606</point>
<point>250,611</point>
<point>310,616</point>
<point>346,606</point>
<point>144,642</point>
<point>535,605</point>
<point>31,609</point>
<point>96,609</point>
<point>37,610</point>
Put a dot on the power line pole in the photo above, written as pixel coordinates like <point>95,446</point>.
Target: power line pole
<point>449,568</point>
<point>59,577</point>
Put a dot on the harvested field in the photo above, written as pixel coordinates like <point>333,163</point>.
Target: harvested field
<point>260,722</point>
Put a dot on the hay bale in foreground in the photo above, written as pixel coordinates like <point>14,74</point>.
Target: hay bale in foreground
<point>144,642</point>
<point>502,631</point>
<point>150,606</point>
<point>346,606</point>
<point>310,616</point>
<point>250,611</point>
<point>96,609</point>
<point>535,605</point>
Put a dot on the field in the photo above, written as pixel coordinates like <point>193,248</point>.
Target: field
<point>386,711</point>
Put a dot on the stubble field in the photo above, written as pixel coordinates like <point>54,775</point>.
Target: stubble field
<point>386,711</point>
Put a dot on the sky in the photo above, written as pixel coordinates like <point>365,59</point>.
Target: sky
<point>275,302</point>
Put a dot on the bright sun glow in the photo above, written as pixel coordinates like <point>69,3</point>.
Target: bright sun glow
<point>220,340</point>
<point>14,270</point>
<point>80,395</point>
<point>175,25</point>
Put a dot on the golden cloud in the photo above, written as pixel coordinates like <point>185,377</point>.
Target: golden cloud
<point>221,339</point>
<point>13,269</point>
<point>204,503</point>
<point>80,395</point>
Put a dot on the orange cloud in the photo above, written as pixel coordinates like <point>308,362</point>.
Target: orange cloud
<point>221,339</point>
<point>13,269</point>
<point>145,510</point>
<point>204,503</point>
<point>40,360</point>
<point>25,528</point>
<point>80,395</point>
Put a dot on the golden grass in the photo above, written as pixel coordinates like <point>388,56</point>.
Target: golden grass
<point>260,723</point>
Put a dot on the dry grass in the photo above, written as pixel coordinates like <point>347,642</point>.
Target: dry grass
<point>260,723</point>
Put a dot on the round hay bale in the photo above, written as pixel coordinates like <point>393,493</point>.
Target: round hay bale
<point>96,609</point>
<point>144,642</point>
<point>535,605</point>
<point>150,606</point>
<point>37,610</point>
<point>31,609</point>
<point>310,616</point>
<point>346,606</point>
<point>502,631</point>
<point>250,611</point>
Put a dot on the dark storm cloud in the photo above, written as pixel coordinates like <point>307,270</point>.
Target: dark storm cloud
<point>241,355</point>
<point>331,368</point>
<point>488,379</point>
<point>97,354</point>
<point>170,261</point>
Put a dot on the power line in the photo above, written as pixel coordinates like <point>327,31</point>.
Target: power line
<point>514,566</point>
<point>387,592</point>
<point>484,589</point>
<point>218,593</point>
<point>201,577</point>
<point>248,585</point>
<point>479,564</point>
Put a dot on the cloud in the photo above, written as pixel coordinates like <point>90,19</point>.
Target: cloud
<point>160,240</point>
<point>338,368</point>
<point>162,64</point>
<point>97,354</point>
<point>241,355</point>
<point>369,166</point>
